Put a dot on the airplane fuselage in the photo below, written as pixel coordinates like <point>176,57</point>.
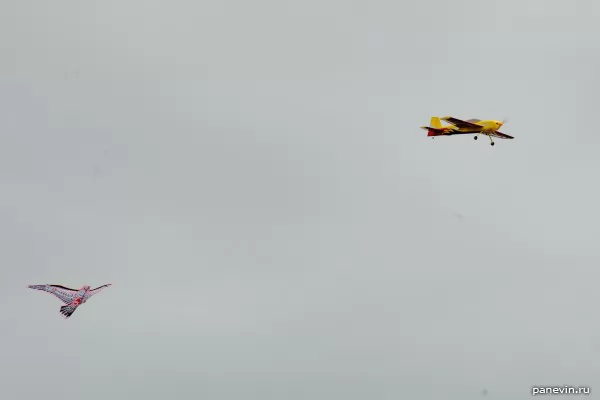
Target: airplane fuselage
<point>490,125</point>
<point>486,126</point>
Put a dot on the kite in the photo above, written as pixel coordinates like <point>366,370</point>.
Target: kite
<point>71,297</point>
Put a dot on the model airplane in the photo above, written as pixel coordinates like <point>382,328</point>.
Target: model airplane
<point>475,126</point>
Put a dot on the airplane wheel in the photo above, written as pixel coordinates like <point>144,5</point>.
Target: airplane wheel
<point>492,143</point>
<point>474,137</point>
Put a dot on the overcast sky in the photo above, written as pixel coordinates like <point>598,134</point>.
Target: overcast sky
<point>251,178</point>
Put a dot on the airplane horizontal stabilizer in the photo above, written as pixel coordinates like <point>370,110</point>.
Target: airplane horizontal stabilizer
<point>433,131</point>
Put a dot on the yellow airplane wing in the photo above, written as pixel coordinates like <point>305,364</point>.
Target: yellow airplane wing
<point>501,135</point>
<point>460,123</point>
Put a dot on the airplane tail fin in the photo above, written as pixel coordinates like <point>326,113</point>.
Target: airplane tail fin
<point>435,128</point>
<point>435,122</point>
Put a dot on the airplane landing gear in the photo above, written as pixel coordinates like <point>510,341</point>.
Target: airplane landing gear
<point>474,137</point>
<point>491,144</point>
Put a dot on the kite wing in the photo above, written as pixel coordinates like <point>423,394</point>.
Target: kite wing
<point>501,135</point>
<point>96,290</point>
<point>65,294</point>
<point>460,123</point>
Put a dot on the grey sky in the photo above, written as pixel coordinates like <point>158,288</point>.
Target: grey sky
<point>252,179</point>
